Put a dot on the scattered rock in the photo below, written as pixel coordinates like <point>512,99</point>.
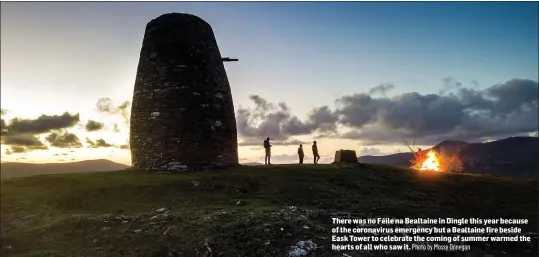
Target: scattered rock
<point>195,183</point>
<point>138,231</point>
<point>161,210</point>
<point>305,227</point>
<point>105,229</point>
<point>267,243</point>
<point>207,248</point>
<point>292,208</point>
<point>267,230</point>
<point>302,248</point>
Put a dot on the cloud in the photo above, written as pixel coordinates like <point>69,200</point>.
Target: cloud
<point>382,89</point>
<point>277,122</point>
<point>465,114</point>
<point>19,149</point>
<point>43,124</point>
<point>3,126</point>
<point>94,126</point>
<point>64,140</point>
<point>449,84</point>
<point>369,151</point>
<point>124,146</point>
<point>260,142</point>
<point>98,143</point>
<point>106,105</point>
<point>26,140</point>
<point>456,113</point>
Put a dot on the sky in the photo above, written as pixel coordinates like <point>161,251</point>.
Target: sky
<point>352,75</point>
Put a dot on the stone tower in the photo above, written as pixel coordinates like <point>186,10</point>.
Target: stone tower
<point>182,115</point>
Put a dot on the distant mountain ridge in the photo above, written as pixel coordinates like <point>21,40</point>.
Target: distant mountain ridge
<point>514,156</point>
<point>251,163</point>
<point>17,169</point>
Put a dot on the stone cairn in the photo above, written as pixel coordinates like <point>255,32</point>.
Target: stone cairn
<point>182,115</point>
<point>345,156</point>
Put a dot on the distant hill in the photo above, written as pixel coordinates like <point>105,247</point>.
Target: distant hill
<point>17,169</point>
<point>514,156</point>
<point>251,164</point>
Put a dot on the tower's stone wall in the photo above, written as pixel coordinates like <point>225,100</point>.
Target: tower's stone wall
<point>182,113</point>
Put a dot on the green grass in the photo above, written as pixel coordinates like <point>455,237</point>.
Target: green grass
<point>74,214</point>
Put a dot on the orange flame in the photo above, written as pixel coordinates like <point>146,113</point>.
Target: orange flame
<point>432,161</point>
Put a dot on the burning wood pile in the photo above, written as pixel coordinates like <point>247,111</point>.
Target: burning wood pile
<point>432,160</point>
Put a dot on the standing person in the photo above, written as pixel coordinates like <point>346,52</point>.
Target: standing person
<point>315,153</point>
<point>301,154</point>
<point>267,146</point>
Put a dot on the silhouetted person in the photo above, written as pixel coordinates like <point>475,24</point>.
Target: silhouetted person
<point>315,153</point>
<point>267,146</point>
<point>301,154</point>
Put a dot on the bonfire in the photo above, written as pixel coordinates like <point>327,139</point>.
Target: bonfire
<point>430,160</point>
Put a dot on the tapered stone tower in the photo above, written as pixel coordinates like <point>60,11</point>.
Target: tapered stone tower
<point>182,115</point>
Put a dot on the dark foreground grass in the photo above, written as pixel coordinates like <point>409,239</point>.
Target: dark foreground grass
<point>246,211</point>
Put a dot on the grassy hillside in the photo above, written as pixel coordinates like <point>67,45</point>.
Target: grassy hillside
<point>247,211</point>
<point>18,169</point>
